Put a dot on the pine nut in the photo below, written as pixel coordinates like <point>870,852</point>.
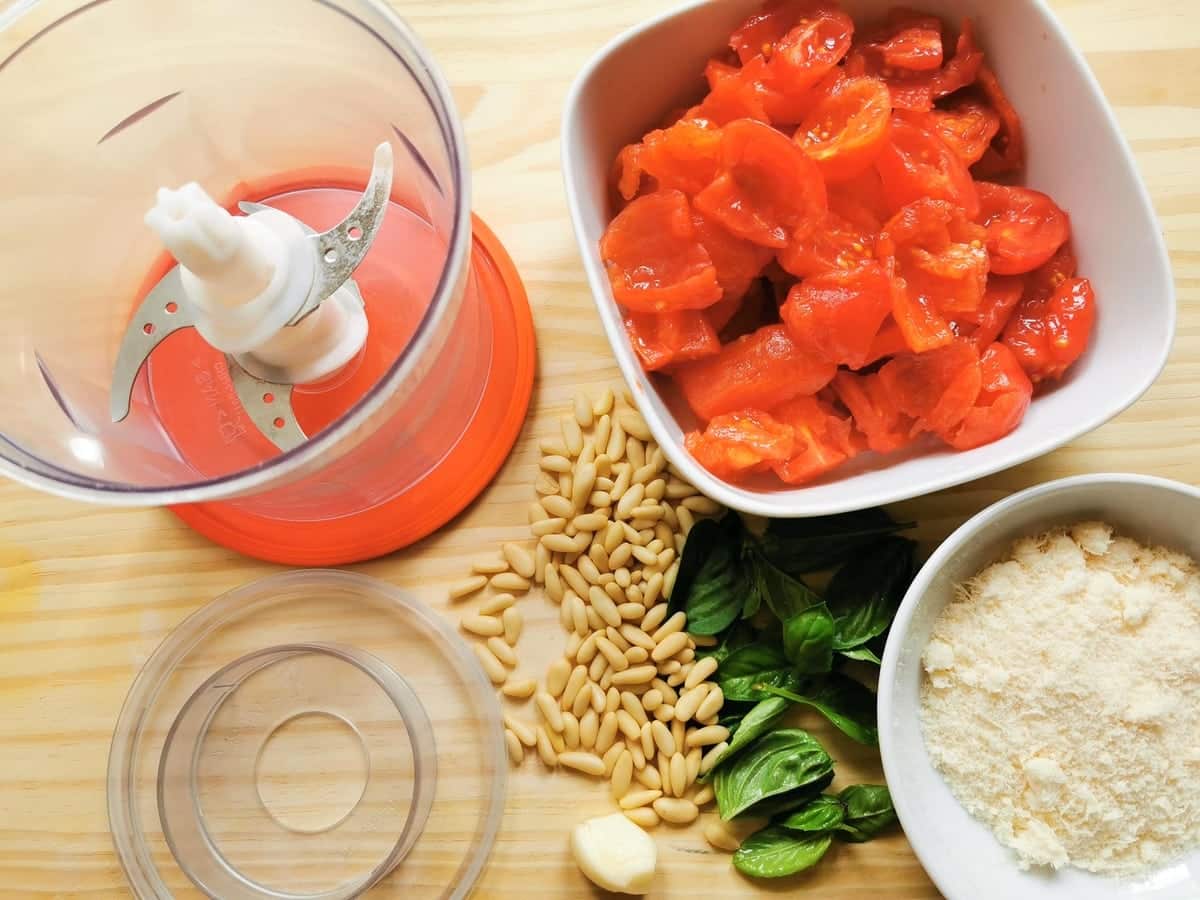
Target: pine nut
<point>599,500</point>
<point>614,536</point>
<point>653,619</point>
<point>636,655</point>
<point>646,741</point>
<point>575,682</point>
<point>599,557</point>
<point>632,705</point>
<point>621,484</point>
<point>679,732</point>
<point>589,725</point>
<point>670,667</point>
<point>647,776</point>
<point>607,732</point>
<point>615,448</point>
<point>574,603</point>
<point>669,646</point>
<point>516,752</point>
<point>483,626</point>
<point>712,703</point>
<point>633,423</point>
<point>636,636</point>
<point>556,741</point>
<point>633,593</point>
<point>643,474</point>
<point>467,587</point>
<point>679,782</point>
<point>583,484</point>
<point>599,667</point>
<point>662,738</point>
<point>707,736</point>
<point>622,775</point>
<point>525,733</point>
<point>520,560</point>
<point>704,796</point>
<point>719,838</point>
<point>668,692</point>
<point>620,557</point>
<point>604,403</point>
<point>493,606</point>
<point>587,763</point>
<point>587,650</point>
<point>555,463</point>
<point>612,653</point>
<point>634,799</point>
<point>647,513</point>
<point>675,810</point>
<point>570,730</point>
<point>546,749</point>
<point>651,592</point>
<point>491,666</point>
<point>603,431</point>
<point>665,712</point>
<point>712,757</point>
<point>583,410</point>
<point>551,714</point>
<point>513,622</point>
<point>503,651</point>
<point>672,625</point>
<point>604,606</point>
<point>572,436</point>
<point>687,521</point>
<point>629,611</point>
<point>535,513</point>
<point>610,758</point>
<point>583,700</point>
<point>574,580</point>
<point>547,527</point>
<point>630,500</point>
<point>670,520</point>
<point>519,690</point>
<point>652,699</point>
<point>546,484</point>
<point>556,677</point>
<point>552,446</point>
<point>685,657</point>
<point>689,702</point>
<point>487,565</point>
<point>511,582</point>
<point>597,701</point>
<point>701,672</point>
<point>558,506</point>
<point>644,817</point>
<point>634,675</point>
<point>620,575</point>
<point>612,699</point>
<point>553,584</point>
<point>656,489</point>
<point>664,772</point>
<point>701,505</point>
<point>665,558</point>
<point>587,455</point>
<point>615,636</point>
<point>628,725</point>
<point>572,645</point>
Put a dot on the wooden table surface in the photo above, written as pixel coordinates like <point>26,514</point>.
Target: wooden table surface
<point>86,593</point>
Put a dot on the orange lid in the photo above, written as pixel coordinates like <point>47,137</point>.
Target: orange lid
<point>442,493</point>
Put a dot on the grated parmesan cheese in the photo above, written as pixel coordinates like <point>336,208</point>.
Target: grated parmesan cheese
<point>1061,701</point>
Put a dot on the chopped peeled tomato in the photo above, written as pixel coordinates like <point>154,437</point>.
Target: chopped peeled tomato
<point>808,255</point>
<point>824,439</point>
<point>654,258</point>
<point>737,444</point>
<point>767,186</point>
<point>662,339</point>
<point>757,371</point>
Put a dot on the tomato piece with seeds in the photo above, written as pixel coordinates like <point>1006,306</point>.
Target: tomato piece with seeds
<point>848,128</point>
<point>757,371</point>
<point>984,326</point>
<point>968,127</point>
<point>935,389</point>
<point>684,157</point>
<point>916,164</point>
<point>737,444</point>
<point>876,417</point>
<point>733,94</point>
<point>861,201</point>
<point>828,243</point>
<point>1025,228</point>
<point>1049,333</point>
<point>767,187</point>
<point>887,343</point>
<point>908,40</point>
<point>737,261</point>
<point>837,315</point>
<point>628,171</point>
<point>662,339</point>
<point>824,439</point>
<point>654,259</point>
<point>1004,397</point>
<point>917,90</point>
<point>1007,153</point>
<point>811,49</point>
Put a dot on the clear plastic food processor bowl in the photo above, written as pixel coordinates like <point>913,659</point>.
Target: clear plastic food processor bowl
<point>273,102</point>
<point>262,756</point>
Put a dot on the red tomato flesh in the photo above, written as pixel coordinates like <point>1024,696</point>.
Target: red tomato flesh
<point>1048,334</point>
<point>1025,228</point>
<point>737,444</point>
<point>847,129</point>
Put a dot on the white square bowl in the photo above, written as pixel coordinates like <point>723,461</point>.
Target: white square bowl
<point>1076,154</point>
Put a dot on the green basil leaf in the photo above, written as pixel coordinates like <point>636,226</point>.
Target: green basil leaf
<point>740,635</point>
<point>847,703</point>
<point>865,593</point>
<point>778,763</point>
<point>705,536</point>
<point>821,815</point>
<point>862,654</point>
<point>799,546</point>
<point>784,595</point>
<point>869,811</point>
<point>777,853</point>
<point>808,640</point>
<point>718,591</point>
<point>744,670</point>
<point>762,718</point>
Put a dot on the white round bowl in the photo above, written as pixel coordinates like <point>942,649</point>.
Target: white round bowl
<point>960,854</point>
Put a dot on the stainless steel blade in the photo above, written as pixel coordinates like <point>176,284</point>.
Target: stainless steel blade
<point>268,405</point>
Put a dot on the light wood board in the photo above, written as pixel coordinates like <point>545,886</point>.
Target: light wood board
<point>86,593</point>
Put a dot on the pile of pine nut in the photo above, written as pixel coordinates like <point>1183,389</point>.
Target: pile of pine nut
<point>628,701</point>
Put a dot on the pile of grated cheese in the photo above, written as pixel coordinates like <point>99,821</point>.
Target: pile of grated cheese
<point>1061,701</point>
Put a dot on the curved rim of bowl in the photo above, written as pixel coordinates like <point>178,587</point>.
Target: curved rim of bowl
<point>929,855</point>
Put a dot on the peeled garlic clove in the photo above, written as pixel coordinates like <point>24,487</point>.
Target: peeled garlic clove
<point>615,854</point>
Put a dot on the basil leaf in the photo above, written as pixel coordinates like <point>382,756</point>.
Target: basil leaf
<point>862,654</point>
<point>869,811</point>
<point>784,595</point>
<point>821,815</point>
<point>865,594</point>
<point>799,546</point>
<point>778,763</point>
<point>808,640</point>
<point>744,670</point>
<point>777,853</point>
<point>762,718</point>
<point>705,538</point>
<point>848,704</point>
<point>740,635</point>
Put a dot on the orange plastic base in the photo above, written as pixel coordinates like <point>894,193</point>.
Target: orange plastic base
<point>447,489</point>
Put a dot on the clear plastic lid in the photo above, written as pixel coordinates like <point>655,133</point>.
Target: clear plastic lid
<point>315,734</point>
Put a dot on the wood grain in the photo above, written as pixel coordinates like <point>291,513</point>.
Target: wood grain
<point>86,593</point>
